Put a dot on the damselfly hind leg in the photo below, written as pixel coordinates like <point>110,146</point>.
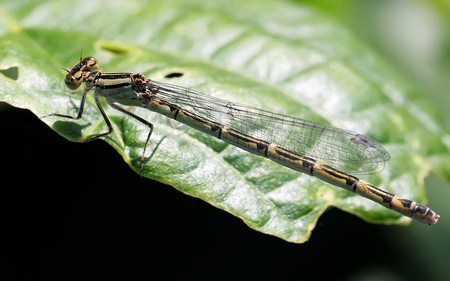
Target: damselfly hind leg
<point>151,155</point>
<point>143,121</point>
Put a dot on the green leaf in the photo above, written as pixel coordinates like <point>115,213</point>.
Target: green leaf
<point>275,55</point>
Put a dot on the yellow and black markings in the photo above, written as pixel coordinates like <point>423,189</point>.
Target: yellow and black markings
<point>252,129</point>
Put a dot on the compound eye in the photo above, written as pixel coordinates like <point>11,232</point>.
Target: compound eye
<point>73,81</point>
<point>90,64</point>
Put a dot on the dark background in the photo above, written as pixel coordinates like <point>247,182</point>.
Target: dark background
<point>107,223</point>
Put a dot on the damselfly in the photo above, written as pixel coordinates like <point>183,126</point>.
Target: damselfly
<point>301,145</point>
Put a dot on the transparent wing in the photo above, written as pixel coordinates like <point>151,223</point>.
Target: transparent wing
<point>341,149</point>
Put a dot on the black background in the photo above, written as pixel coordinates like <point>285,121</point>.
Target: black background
<point>77,211</point>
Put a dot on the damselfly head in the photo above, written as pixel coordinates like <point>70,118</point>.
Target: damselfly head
<point>78,73</point>
<point>89,64</point>
<point>73,81</point>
